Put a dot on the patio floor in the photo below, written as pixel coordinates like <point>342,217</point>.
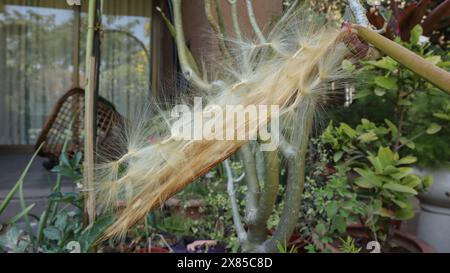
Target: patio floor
<point>37,183</point>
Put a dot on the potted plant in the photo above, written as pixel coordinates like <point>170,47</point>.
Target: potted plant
<point>367,192</point>
<point>421,114</point>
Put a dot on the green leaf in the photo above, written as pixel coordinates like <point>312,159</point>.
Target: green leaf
<point>428,181</point>
<point>386,63</point>
<point>368,137</point>
<point>91,234</point>
<point>407,160</point>
<point>402,172</point>
<point>375,161</point>
<point>386,156</point>
<point>392,127</point>
<point>380,92</point>
<point>337,156</point>
<point>368,179</point>
<point>407,142</point>
<point>52,233</point>
<point>386,213</point>
<point>399,188</point>
<point>386,82</point>
<point>434,129</point>
<point>348,130</point>
<point>19,182</point>
<point>443,116</point>
<point>405,213</point>
<point>434,59</point>
<point>332,209</point>
<point>348,66</point>
<point>14,219</point>
<point>412,181</point>
<point>400,203</point>
<point>416,32</point>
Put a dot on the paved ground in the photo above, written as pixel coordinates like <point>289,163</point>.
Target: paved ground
<point>37,183</point>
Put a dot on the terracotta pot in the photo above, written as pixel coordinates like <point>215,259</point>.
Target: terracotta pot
<point>408,242</point>
<point>154,250</point>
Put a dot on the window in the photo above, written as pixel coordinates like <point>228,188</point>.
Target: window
<point>37,48</point>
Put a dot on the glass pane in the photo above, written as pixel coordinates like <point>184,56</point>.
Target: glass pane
<point>35,65</point>
<point>125,53</point>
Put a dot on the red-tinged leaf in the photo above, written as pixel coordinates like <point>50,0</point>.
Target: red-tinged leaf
<point>403,19</point>
<point>435,16</point>
<point>415,18</point>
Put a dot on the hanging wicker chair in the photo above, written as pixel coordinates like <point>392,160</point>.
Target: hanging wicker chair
<point>68,116</point>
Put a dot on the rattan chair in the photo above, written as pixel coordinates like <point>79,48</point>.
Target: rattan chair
<point>68,116</point>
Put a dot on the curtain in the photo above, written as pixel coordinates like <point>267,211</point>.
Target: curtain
<point>125,53</point>
<point>36,60</point>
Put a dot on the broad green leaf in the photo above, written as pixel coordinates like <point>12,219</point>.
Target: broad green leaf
<point>386,82</point>
<point>412,181</point>
<point>332,209</point>
<point>386,156</point>
<point>390,170</point>
<point>375,161</point>
<point>403,172</point>
<point>407,160</point>
<point>52,233</point>
<point>368,137</point>
<point>416,32</point>
<point>364,183</point>
<point>380,92</point>
<point>399,188</point>
<point>368,178</point>
<point>400,203</point>
<point>348,66</point>
<point>434,129</point>
<point>386,63</point>
<point>348,130</point>
<point>405,213</point>
<point>408,143</point>
<point>428,181</point>
<point>386,213</point>
<point>442,116</point>
<point>337,156</point>
<point>392,127</point>
<point>434,59</point>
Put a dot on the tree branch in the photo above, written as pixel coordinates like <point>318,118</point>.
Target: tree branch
<point>188,71</point>
<point>217,29</point>
<point>252,183</point>
<point>295,183</point>
<point>235,19</point>
<point>242,234</point>
<point>252,18</point>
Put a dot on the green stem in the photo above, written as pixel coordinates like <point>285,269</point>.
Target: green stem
<point>295,180</point>
<point>188,71</point>
<point>425,69</point>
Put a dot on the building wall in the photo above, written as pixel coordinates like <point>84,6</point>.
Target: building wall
<point>199,35</point>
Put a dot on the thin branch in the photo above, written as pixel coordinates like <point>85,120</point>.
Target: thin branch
<point>252,183</point>
<point>188,71</point>
<point>235,19</point>
<point>171,28</point>
<point>220,18</point>
<point>286,149</point>
<point>252,18</point>
<point>242,234</point>
<point>217,29</point>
